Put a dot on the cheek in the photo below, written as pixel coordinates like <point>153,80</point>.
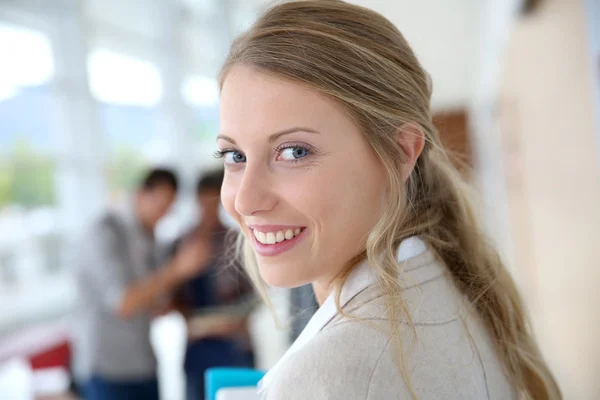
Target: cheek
<point>353,197</point>
<point>228,194</point>
<point>336,196</point>
<point>308,193</point>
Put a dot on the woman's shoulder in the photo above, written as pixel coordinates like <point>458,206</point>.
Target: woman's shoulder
<point>336,364</point>
<point>450,357</point>
<point>428,295</point>
<point>357,360</point>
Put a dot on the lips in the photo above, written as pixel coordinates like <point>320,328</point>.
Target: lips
<point>273,240</point>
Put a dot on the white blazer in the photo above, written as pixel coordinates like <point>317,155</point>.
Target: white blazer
<point>453,356</point>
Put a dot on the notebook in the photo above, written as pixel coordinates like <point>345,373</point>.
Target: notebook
<point>227,383</point>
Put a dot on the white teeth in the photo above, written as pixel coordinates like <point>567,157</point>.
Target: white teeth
<point>280,237</point>
<point>275,237</point>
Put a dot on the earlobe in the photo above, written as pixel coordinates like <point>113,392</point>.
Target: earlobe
<point>411,140</point>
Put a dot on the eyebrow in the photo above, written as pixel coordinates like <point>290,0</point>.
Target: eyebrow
<point>273,137</point>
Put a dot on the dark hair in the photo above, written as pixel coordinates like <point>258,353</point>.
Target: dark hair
<point>210,181</point>
<point>158,177</point>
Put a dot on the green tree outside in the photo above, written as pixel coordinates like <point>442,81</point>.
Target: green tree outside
<point>27,176</point>
<point>126,166</point>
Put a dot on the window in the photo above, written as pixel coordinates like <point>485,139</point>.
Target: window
<point>123,80</point>
<point>26,112</point>
<point>128,91</point>
<point>30,236</point>
<point>27,163</point>
<point>202,95</point>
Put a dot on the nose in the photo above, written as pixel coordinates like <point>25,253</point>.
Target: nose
<point>255,193</point>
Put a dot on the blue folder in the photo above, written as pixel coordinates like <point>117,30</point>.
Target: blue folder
<point>217,378</point>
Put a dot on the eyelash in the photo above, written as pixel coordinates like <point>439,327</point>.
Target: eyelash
<point>222,153</point>
<point>306,147</point>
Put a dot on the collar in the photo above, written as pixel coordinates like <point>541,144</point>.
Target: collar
<point>358,280</point>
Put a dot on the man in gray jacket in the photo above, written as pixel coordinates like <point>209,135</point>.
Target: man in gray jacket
<point>119,285</point>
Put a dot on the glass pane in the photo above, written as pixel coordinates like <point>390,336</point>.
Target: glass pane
<point>27,165</point>
<point>26,119</point>
<point>202,95</point>
<point>31,241</point>
<point>130,131</point>
<point>31,65</point>
<point>120,79</point>
<point>128,90</point>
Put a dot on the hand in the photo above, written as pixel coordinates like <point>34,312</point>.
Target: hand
<point>192,258</point>
<point>162,308</point>
<point>214,326</point>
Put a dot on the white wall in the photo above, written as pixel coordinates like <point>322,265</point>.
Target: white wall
<point>443,35</point>
<point>551,159</point>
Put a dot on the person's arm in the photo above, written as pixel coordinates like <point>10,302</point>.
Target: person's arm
<point>189,261</point>
<point>142,294</point>
<point>240,294</point>
<point>178,302</point>
<point>106,266</point>
<point>215,326</point>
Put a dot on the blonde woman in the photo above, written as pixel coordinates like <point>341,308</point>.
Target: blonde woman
<point>336,176</point>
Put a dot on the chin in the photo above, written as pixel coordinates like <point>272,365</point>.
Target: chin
<point>282,276</point>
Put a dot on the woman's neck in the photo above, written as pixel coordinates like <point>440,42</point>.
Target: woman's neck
<point>322,289</point>
<point>321,293</point>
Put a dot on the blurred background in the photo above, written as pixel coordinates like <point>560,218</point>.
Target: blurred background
<point>92,92</point>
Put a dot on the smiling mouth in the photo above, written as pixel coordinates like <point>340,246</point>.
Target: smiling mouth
<point>270,238</point>
<point>273,241</point>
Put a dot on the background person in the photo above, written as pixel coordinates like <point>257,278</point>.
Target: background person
<point>119,285</point>
<point>217,338</point>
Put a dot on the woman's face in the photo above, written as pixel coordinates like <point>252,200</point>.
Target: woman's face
<point>300,179</point>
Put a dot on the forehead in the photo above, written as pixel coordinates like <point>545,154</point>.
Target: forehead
<point>253,101</point>
<point>163,189</point>
<point>208,192</point>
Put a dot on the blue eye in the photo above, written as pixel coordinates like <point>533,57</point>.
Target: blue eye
<point>233,157</point>
<point>293,153</point>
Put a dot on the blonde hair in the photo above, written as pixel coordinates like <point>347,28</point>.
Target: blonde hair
<point>358,58</point>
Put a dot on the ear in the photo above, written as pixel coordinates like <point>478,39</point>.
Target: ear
<point>411,140</point>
